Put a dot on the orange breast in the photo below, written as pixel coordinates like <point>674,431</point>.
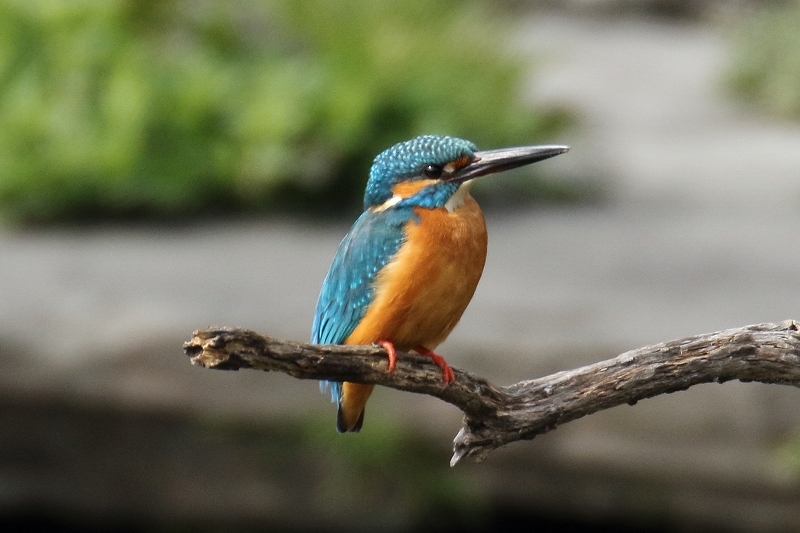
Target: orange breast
<point>422,293</point>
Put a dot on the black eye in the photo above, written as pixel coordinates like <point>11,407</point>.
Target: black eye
<point>432,171</point>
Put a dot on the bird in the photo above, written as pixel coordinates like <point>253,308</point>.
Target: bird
<point>407,269</point>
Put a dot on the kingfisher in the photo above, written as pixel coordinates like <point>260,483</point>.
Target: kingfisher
<point>405,272</point>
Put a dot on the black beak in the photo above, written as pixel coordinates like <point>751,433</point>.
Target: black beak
<point>491,161</point>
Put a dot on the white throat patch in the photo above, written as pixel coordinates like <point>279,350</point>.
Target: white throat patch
<point>459,197</point>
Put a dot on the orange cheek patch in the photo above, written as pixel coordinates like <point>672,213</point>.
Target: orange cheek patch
<point>461,162</point>
<point>454,166</point>
<point>407,189</point>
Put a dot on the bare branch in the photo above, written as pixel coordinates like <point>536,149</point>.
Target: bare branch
<point>495,416</point>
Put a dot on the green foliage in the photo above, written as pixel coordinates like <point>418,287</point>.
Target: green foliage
<point>165,109</point>
<point>390,466</point>
<point>387,476</point>
<point>766,69</point>
<point>786,455</point>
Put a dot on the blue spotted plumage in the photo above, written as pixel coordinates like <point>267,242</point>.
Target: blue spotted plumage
<point>407,160</point>
<point>348,288</point>
<point>376,236</point>
<point>421,182</point>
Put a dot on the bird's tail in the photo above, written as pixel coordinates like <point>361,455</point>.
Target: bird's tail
<point>352,400</point>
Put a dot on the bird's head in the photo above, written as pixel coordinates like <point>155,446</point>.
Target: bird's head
<point>426,171</point>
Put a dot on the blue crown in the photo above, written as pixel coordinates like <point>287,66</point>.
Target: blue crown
<point>406,160</point>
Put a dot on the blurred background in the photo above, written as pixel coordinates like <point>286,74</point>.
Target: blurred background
<point>168,165</point>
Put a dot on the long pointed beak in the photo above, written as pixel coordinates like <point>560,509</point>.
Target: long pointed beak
<point>491,161</point>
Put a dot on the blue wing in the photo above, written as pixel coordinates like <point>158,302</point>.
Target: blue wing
<point>349,286</point>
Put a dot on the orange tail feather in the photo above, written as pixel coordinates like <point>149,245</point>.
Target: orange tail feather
<point>350,416</point>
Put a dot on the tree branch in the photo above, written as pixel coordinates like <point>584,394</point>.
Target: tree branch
<point>495,416</point>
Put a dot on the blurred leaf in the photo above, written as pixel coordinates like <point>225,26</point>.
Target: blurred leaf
<point>766,67</point>
<point>166,109</point>
<point>390,463</point>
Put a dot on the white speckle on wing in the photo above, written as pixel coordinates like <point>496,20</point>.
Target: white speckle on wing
<point>394,200</point>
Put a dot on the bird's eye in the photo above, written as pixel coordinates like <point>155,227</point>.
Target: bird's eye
<point>432,171</point>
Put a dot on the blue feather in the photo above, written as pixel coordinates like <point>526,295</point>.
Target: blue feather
<point>348,288</point>
<point>375,237</point>
<point>405,161</point>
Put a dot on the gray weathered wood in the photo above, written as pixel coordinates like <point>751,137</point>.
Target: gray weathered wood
<point>495,416</point>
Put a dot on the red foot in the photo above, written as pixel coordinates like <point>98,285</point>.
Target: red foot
<point>447,373</point>
<point>391,352</point>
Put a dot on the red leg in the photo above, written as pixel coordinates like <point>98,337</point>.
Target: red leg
<point>391,352</point>
<point>447,373</point>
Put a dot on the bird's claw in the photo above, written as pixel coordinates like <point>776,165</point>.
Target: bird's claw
<point>390,352</point>
<point>448,376</point>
